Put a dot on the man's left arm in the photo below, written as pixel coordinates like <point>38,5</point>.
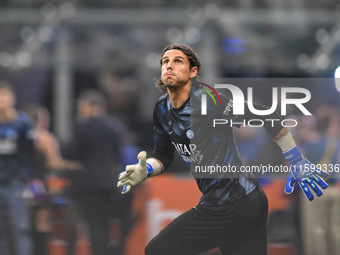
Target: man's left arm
<point>302,171</point>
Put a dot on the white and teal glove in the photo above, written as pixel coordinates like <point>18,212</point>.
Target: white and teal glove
<point>305,173</point>
<point>138,173</point>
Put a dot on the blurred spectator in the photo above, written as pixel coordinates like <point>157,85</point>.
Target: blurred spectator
<point>16,146</point>
<point>121,88</point>
<point>320,220</point>
<point>98,140</point>
<point>47,157</point>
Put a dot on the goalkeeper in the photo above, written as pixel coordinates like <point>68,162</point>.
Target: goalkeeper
<point>232,211</point>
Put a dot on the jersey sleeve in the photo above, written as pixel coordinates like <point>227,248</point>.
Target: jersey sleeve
<point>271,122</point>
<point>160,136</point>
<point>163,148</point>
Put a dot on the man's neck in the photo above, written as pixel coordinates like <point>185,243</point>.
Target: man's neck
<point>179,95</point>
<point>7,115</point>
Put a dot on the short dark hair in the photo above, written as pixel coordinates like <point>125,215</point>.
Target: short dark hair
<point>93,97</point>
<point>191,54</point>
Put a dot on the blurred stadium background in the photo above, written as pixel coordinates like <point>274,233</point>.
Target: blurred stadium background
<point>53,50</point>
<point>64,46</point>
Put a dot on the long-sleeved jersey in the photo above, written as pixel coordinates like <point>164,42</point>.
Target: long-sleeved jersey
<point>203,146</point>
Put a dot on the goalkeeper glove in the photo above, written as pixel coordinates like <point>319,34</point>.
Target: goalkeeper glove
<point>135,174</point>
<point>305,173</point>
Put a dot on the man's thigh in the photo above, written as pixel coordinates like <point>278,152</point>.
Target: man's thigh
<point>251,231</point>
<point>206,227</point>
<point>255,243</point>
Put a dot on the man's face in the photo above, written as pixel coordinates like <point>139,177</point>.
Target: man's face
<point>84,109</point>
<point>176,69</point>
<point>7,99</point>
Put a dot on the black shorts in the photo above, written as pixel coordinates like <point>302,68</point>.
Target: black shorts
<point>237,228</point>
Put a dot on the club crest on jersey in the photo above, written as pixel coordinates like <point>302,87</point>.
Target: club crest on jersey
<point>190,134</point>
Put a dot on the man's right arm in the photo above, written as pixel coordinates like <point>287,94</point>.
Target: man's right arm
<point>163,154</point>
<point>160,159</point>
